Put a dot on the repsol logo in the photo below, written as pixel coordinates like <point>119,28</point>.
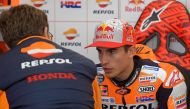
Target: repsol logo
<point>78,44</point>
<point>103,12</point>
<point>119,106</point>
<point>36,63</point>
<point>145,89</point>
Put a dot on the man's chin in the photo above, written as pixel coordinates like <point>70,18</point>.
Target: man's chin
<point>109,75</point>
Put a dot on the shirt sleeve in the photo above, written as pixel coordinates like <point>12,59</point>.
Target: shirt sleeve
<point>172,94</point>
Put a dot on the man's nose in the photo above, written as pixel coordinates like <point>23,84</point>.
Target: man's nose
<point>104,59</point>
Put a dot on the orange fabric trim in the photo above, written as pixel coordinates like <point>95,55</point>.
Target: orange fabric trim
<point>3,101</point>
<point>42,37</point>
<point>96,95</point>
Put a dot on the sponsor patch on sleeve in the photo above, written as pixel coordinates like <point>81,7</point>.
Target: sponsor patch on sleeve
<point>181,103</point>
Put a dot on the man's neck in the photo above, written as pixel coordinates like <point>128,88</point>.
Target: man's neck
<point>126,74</point>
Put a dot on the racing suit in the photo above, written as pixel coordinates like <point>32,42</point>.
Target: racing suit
<point>39,74</point>
<point>151,85</point>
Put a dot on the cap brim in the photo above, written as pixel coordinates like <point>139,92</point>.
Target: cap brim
<point>106,44</point>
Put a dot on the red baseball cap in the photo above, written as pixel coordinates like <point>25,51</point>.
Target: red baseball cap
<point>113,33</point>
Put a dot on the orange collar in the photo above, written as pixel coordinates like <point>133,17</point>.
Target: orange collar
<point>42,37</point>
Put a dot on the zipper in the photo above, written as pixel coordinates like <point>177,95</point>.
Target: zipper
<point>123,98</point>
<point>124,102</point>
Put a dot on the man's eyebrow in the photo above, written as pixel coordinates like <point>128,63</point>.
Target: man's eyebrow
<point>111,49</point>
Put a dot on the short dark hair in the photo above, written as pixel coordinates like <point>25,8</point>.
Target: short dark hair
<point>20,22</point>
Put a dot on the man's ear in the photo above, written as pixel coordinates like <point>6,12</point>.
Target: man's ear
<point>131,51</point>
<point>46,32</point>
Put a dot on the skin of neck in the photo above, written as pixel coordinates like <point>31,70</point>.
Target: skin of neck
<point>127,72</point>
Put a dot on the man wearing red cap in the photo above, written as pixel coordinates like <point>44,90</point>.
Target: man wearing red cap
<point>128,82</point>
